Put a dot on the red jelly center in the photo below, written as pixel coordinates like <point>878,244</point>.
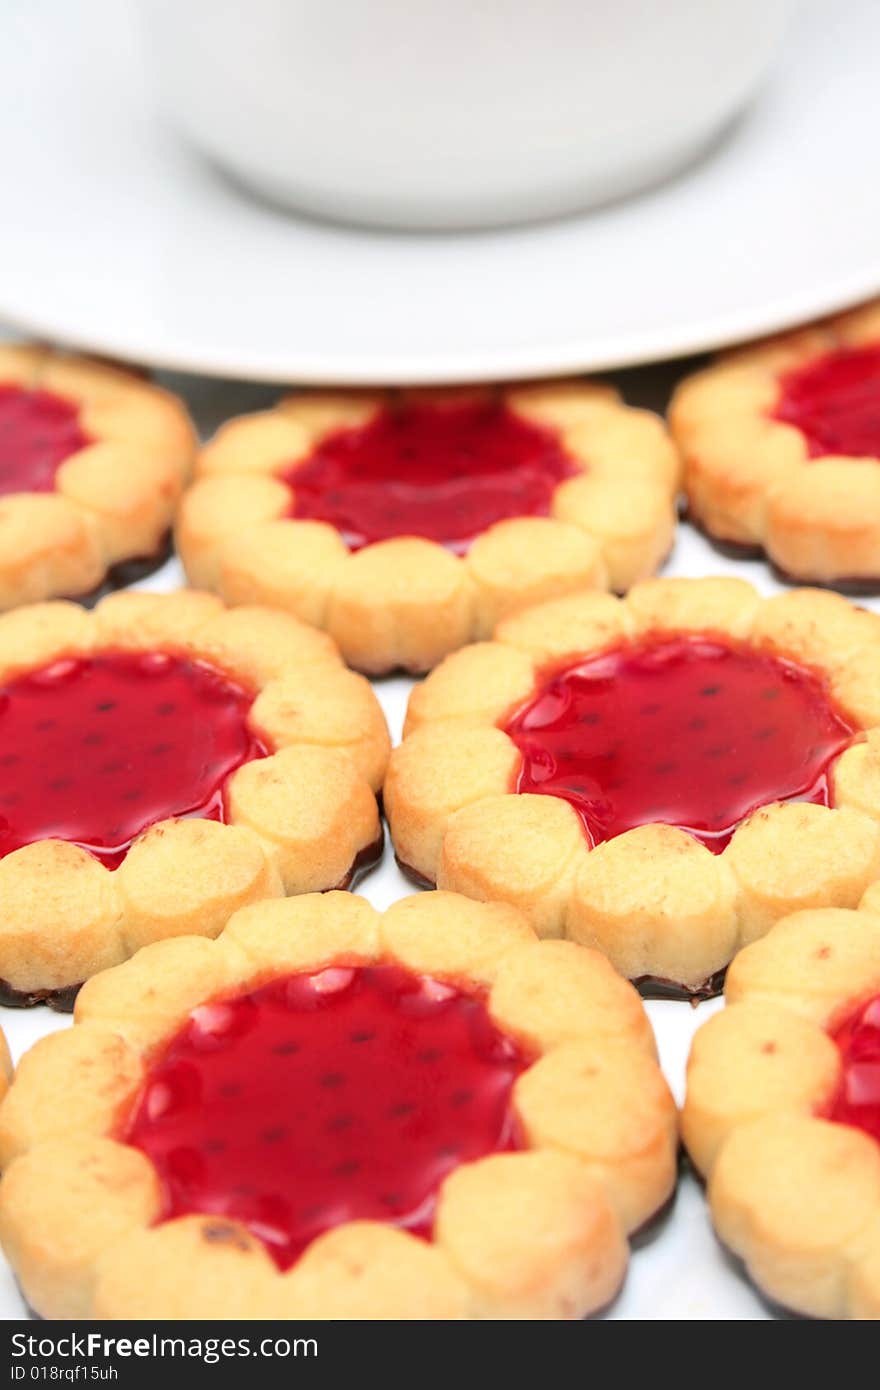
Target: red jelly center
<point>96,749</point>
<point>445,472</point>
<point>38,431</point>
<point>689,731</point>
<point>835,402</point>
<point>857,1101</point>
<point>319,1099</point>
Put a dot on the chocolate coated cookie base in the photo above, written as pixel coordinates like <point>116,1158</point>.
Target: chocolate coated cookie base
<point>363,863</point>
<point>62,1000</point>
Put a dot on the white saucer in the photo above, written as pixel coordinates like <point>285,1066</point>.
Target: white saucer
<point>116,238</point>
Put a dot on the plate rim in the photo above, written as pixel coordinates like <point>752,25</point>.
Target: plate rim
<point>533,363</point>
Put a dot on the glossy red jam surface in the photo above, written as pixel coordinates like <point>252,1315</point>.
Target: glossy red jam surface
<point>691,731</point>
<point>857,1101</point>
<point>835,402</point>
<point>318,1099</point>
<point>38,431</point>
<point>445,472</point>
<point>96,749</point>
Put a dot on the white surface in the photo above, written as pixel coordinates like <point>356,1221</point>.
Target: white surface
<point>680,1272</point>
<point>450,114</point>
<point>117,238</point>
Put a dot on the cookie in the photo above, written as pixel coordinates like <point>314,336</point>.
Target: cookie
<point>337,1113</point>
<point>660,777</point>
<point>93,460</point>
<point>5,1066</point>
<point>408,524</point>
<point>165,761</point>
<point>783,1111</point>
<point>781,446</point>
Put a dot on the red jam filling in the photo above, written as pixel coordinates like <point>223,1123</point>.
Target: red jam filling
<point>318,1099</point>
<point>445,472</point>
<point>691,731</point>
<point>835,402</point>
<point>96,749</point>
<point>857,1102</point>
<point>38,431</point>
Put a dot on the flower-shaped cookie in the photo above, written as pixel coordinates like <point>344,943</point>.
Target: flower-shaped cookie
<point>586,763</point>
<point>407,524</point>
<point>93,460</point>
<point>781,446</point>
<point>164,761</point>
<point>783,1111</point>
<point>331,1112</point>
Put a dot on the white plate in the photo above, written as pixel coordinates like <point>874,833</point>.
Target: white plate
<point>681,1273</point>
<point>116,238</point>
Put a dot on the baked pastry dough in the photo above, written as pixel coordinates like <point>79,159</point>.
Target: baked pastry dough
<point>5,1066</point>
<point>783,1111</point>
<point>512,1135</point>
<point>561,487</point>
<point>781,445</point>
<point>93,460</point>
<point>165,761</point>
<point>690,706</point>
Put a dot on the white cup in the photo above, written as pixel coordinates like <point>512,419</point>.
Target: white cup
<point>456,113</point>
